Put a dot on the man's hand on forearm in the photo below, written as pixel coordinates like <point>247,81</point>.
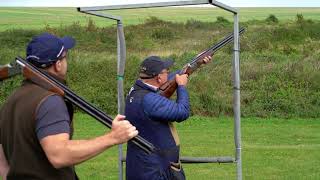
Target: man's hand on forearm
<point>207,59</point>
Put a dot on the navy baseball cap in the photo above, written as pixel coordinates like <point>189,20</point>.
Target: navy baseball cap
<point>153,65</point>
<point>45,49</point>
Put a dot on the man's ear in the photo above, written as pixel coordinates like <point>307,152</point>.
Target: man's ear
<point>57,66</point>
<point>158,78</point>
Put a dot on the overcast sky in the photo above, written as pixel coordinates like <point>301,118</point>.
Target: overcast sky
<point>233,3</point>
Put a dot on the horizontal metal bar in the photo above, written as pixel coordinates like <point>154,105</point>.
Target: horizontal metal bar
<point>207,159</point>
<point>144,5</point>
<point>99,14</point>
<point>189,160</point>
<point>223,6</point>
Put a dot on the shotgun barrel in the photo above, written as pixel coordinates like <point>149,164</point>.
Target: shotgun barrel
<point>170,86</point>
<point>50,83</point>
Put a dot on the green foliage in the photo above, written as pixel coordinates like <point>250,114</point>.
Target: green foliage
<point>299,18</point>
<point>192,23</point>
<point>154,21</point>
<point>222,20</point>
<point>162,33</point>
<point>272,19</point>
<point>91,26</point>
<point>302,22</point>
<point>279,64</point>
<point>8,86</point>
<point>160,30</point>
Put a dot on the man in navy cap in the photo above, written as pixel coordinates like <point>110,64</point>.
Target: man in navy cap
<point>36,124</point>
<point>153,115</point>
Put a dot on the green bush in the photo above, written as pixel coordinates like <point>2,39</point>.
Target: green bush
<point>193,23</point>
<point>222,20</point>
<point>162,33</point>
<point>299,18</point>
<point>154,21</point>
<point>91,26</point>
<point>272,19</point>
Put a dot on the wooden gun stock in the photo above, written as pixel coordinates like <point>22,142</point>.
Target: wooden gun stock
<point>42,81</point>
<point>9,70</point>
<point>4,73</point>
<point>170,86</point>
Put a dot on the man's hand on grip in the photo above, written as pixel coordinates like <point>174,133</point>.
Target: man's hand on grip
<point>122,130</point>
<point>182,80</point>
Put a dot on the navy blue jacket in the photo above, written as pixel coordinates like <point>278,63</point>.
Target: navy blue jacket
<point>153,114</point>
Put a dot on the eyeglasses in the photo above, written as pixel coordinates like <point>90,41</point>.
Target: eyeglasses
<point>165,72</point>
<point>62,57</point>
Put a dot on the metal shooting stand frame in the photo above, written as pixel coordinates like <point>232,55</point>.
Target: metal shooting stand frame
<point>235,65</point>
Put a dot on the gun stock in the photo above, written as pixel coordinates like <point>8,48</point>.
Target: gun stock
<point>170,86</point>
<point>9,70</point>
<point>51,84</point>
<point>42,81</point>
<point>4,73</point>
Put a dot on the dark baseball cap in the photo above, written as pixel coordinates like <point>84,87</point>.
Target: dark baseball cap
<point>45,49</point>
<point>153,65</point>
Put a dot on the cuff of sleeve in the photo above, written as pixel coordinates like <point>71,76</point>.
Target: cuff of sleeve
<point>181,87</point>
<point>182,90</point>
<point>57,128</point>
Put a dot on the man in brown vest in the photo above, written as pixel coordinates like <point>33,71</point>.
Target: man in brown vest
<point>36,124</point>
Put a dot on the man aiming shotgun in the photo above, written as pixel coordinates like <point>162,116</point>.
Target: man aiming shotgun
<point>153,115</point>
<point>149,108</point>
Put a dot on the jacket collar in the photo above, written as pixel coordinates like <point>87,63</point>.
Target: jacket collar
<point>28,81</point>
<point>143,85</point>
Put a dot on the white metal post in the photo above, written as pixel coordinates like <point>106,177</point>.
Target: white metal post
<point>121,47</point>
<point>236,96</point>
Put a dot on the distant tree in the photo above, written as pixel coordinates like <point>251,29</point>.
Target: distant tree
<point>299,18</point>
<point>221,19</point>
<point>91,26</point>
<point>272,19</point>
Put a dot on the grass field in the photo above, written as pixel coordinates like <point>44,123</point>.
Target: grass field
<point>35,18</point>
<point>272,148</point>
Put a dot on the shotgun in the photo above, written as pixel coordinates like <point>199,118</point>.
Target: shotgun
<point>9,70</point>
<point>170,86</point>
<point>48,82</point>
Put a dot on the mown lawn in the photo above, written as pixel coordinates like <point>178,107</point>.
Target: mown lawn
<point>272,148</point>
<point>36,18</point>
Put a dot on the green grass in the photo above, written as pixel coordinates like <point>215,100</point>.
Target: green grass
<point>272,148</point>
<point>36,18</point>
